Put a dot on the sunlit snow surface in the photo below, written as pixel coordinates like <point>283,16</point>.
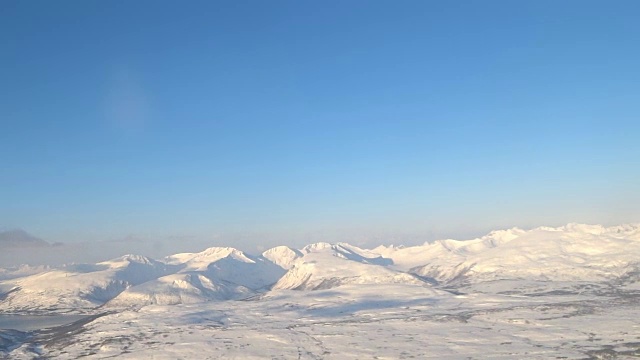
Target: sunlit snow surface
<point>363,321</point>
<point>569,292</point>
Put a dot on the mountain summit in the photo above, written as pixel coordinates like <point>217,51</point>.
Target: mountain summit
<point>19,238</point>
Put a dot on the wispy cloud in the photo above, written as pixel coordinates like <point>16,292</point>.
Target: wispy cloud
<point>127,102</point>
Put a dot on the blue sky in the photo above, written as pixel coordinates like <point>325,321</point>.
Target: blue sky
<point>255,122</point>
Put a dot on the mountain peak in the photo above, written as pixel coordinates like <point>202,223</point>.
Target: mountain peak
<point>20,238</point>
<point>129,259</point>
<point>282,256</point>
<point>319,246</point>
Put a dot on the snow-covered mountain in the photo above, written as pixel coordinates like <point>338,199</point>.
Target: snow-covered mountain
<point>230,265</point>
<point>282,256</point>
<point>82,286</point>
<point>21,271</point>
<point>325,266</point>
<point>569,253</point>
<point>214,274</point>
<point>182,288</point>
<point>545,255</point>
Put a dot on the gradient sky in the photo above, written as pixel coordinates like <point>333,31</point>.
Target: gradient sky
<point>253,123</point>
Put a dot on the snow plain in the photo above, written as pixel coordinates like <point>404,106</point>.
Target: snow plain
<point>569,292</point>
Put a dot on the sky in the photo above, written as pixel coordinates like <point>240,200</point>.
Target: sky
<point>257,123</point>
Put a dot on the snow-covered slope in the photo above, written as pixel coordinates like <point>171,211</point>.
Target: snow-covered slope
<point>213,274</point>
<point>229,264</point>
<point>568,253</point>
<point>282,256</point>
<point>22,271</point>
<point>348,252</point>
<point>390,321</point>
<point>182,288</point>
<point>325,266</point>
<point>447,253</point>
<point>201,260</point>
<point>609,256</point>
<point>80,287</point>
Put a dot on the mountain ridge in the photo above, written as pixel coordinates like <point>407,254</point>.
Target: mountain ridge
<point>569,253</point>
<point>18,238</point>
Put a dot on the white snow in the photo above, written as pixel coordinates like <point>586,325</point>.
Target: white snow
<point>325,266</point>
<point>282,256</point>
<point>565,292</point>
<point>77,287</point>
<point>213,274</point>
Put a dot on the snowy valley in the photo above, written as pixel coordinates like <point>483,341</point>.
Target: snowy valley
<point>567,292</point>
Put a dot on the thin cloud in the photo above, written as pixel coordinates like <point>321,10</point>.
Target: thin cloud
<point>127,102</point>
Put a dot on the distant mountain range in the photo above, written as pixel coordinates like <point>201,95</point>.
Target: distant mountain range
<point>545,258</point>
<point>20,238</point>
